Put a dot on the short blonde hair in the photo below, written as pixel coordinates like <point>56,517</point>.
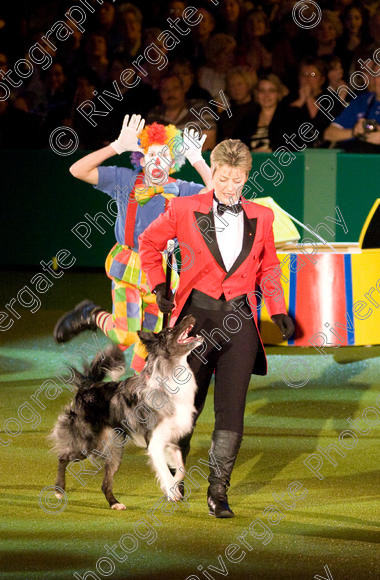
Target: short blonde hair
<point>246,73</point>
<point>282,90</point>
<point>232,152</point>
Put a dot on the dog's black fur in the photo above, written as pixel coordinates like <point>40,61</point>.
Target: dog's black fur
<point>130,406</point>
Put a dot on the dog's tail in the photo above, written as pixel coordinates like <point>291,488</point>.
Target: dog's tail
<point>73,430</point>
<point>108,363</point>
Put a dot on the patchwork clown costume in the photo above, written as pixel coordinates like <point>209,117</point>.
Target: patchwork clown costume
<point>141,195</point>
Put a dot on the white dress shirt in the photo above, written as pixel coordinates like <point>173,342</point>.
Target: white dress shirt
<point>229,234</point>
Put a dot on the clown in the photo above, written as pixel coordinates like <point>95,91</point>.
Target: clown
<point>141,195</point>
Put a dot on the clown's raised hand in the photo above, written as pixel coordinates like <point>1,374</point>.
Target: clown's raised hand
<point>127,140</point>
<point>193,145</point>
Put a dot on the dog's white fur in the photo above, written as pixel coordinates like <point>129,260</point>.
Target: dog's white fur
<point>171,429</point>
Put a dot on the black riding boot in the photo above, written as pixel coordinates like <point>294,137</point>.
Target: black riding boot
<point>225,448</point>
<point>75,321</point>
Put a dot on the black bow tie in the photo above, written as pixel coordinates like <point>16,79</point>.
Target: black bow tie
<point>221,208</point>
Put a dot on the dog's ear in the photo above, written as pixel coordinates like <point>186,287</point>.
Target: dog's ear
<point>147,338</point>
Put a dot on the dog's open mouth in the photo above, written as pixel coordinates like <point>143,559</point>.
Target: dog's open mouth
<point>184,337</point>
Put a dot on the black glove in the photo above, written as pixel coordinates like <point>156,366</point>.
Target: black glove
<point>285,324</point>
<point>163,303</point>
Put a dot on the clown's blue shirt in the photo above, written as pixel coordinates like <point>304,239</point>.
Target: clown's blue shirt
<point>118,182</point>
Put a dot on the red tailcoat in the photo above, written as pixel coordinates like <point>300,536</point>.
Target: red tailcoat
<point>191,221</point>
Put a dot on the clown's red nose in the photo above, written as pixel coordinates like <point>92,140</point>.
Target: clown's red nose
<point>157,161</point>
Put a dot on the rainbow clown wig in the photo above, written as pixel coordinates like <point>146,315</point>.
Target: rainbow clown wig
<point>157,134</point>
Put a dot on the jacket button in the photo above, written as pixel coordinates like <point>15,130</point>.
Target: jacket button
<point>198,251</point>
<point>244,275</point>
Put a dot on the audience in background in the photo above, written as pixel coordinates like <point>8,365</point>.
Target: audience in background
<point>302,109</point>
<point>175,9</point>
<point>263,131</point>
<point>71,50</point>
<point>234,42</point>
<point>89,139</point>
<point>239,89</point>
<point>287,47</point>
<point>185,71</point>
<point>231,12</point>
<point>220,57</point>
<point>374,27</point>
<point>326,33</point>
<point>255,49</point>
<point>55,103</point>
<point>174,108</point>
<point>128,40</point>
<point>357,128</point>
<point>153,72</point>
<point>335,80</point>
<point>354,20</point>
<point>139,99</point>
<point>201,35</point>
<point>105,19</point>
<point>95,56</point>
<point>3,62</point>
<point>174,12</point>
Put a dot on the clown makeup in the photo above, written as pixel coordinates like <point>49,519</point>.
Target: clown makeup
<point>157,162</point>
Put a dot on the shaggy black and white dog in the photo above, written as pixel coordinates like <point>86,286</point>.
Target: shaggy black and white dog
<point>155,409</point>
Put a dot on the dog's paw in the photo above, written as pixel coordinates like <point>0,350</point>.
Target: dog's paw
<point>171,496</point>
<point>58,494</point>
<point>118,506</point>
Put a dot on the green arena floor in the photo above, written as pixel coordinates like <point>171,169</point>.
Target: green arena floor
<point>330,529</point>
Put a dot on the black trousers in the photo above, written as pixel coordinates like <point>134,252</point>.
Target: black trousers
<point>231,349</point>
